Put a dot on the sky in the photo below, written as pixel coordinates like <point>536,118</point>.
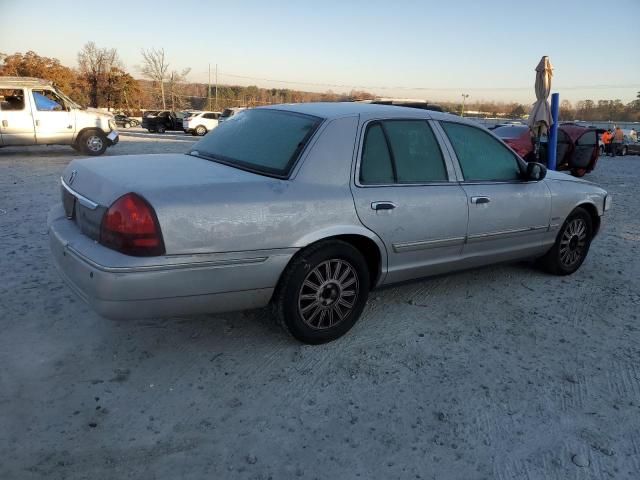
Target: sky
<point>433,50</point>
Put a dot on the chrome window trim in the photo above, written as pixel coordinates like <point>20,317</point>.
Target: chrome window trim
<point>84,201</point>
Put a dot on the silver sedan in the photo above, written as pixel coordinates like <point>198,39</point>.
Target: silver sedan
<point>308,207</point>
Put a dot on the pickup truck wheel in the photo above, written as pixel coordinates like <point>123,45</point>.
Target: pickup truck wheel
<point>161,129</point>
<point>571,246</point>
<point>201,131</point>
<point>127,125</point>
<point>322,292</point>
<point>92,142</point>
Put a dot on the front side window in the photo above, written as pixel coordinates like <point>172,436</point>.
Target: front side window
<point>261,140</point>
<point>47,101</point>
<point>11,99</point>
<point>401,151</point>
<point>481,156</point>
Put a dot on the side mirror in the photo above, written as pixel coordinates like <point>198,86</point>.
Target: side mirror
<point>536,171</point>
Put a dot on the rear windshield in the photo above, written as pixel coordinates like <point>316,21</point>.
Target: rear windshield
<point>227,113</point>
<point>261,140</point>
<point>509,131</point>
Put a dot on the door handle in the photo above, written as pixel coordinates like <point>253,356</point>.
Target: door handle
<point>383,205</point>
<point>480,200</point>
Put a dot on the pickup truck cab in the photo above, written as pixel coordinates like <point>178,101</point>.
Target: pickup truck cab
<point>34,112</point>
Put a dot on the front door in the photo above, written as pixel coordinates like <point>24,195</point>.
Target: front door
<point>405,191</point>
<point>16,121</point>
<point>54,124</point>
<point>508,215</point>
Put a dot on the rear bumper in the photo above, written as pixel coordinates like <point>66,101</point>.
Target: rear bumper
<point>123,287</point>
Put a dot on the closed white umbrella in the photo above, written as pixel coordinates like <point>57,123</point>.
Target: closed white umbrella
<point>540,116</point>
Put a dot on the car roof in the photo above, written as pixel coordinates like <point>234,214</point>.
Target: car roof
<point>330,110</point>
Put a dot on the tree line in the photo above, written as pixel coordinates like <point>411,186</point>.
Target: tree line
<point>101,79</point>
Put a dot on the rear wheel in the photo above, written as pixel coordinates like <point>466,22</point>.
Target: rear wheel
<point>92,142</point>
<point>127,125</point>
<point>322,292</point>
<point>572,244</point>
<point>201,130</point>
<point>161,129</point>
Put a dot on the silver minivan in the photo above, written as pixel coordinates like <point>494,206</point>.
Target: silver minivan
<point>34,112</point>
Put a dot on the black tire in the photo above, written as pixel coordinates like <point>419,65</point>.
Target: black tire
<point>571,248</point>
<point>201,130</point>
<point>161,129</point>
<point>578,172</point>
<point>92,142</point>
<point>127,125</point>
<point>334,310</point>
<point>150,130</point>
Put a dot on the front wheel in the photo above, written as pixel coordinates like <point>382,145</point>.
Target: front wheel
<point>322,292</point>
<point>93,143</point>
<point>127,125</point>
<point>572,244</point>
<point>200,130</point>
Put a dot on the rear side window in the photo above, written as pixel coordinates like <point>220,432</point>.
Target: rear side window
<point>210,116</point>
<point>376,161</point>
<point>481,157</point>
<point>401,151</point>
<point>11,99</point>
<point>261,140</point>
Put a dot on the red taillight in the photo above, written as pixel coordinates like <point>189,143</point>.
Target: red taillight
<point>131,227</point>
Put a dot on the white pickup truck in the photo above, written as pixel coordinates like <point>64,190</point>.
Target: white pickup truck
<point>34,112</point>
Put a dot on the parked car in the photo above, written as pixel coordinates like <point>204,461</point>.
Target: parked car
<point>307,207</point>
<point>577,146</point>
<point>161,121</point>
<point>199,123</point>
<point>230,112</point>
<point>125,121</point>
<point>34,112</point>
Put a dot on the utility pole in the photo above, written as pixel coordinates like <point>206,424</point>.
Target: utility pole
<point>216,87</point>
<point>209,89</point>
<point>464,97</point>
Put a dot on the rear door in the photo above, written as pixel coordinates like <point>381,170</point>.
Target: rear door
<point>406,192</point>
<point>54,124</point>
<point>508,216</point>
<point>16,121</point>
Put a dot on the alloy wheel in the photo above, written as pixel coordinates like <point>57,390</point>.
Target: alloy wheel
<point>328,294</point>
<point>94,143</point>
<point>573,242</point>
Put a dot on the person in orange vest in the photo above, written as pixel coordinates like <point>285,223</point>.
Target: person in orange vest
<point>606,139</point>
<point>618,139</point>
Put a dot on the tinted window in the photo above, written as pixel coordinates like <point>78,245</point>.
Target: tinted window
<point>415,151</point>
<point>262,140</point>
<point>481,156</point>
<point>11,99</point>
<point>588,138</point>
<point>509,131</point>
<point>210,116</point>
<point>376,160</point>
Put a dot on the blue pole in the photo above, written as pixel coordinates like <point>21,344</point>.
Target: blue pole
<point>553,134</point>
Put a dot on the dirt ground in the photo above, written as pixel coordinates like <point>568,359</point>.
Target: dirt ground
<point>498,373</point>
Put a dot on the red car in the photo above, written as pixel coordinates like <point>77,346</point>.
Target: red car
<point>577,146</point>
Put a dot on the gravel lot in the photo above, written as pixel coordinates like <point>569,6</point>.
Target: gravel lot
<point>503,372</point>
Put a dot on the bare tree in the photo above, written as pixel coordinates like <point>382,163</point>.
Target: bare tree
<point>155,67</point>
<point>96,65</point>
<point>175,78</point>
